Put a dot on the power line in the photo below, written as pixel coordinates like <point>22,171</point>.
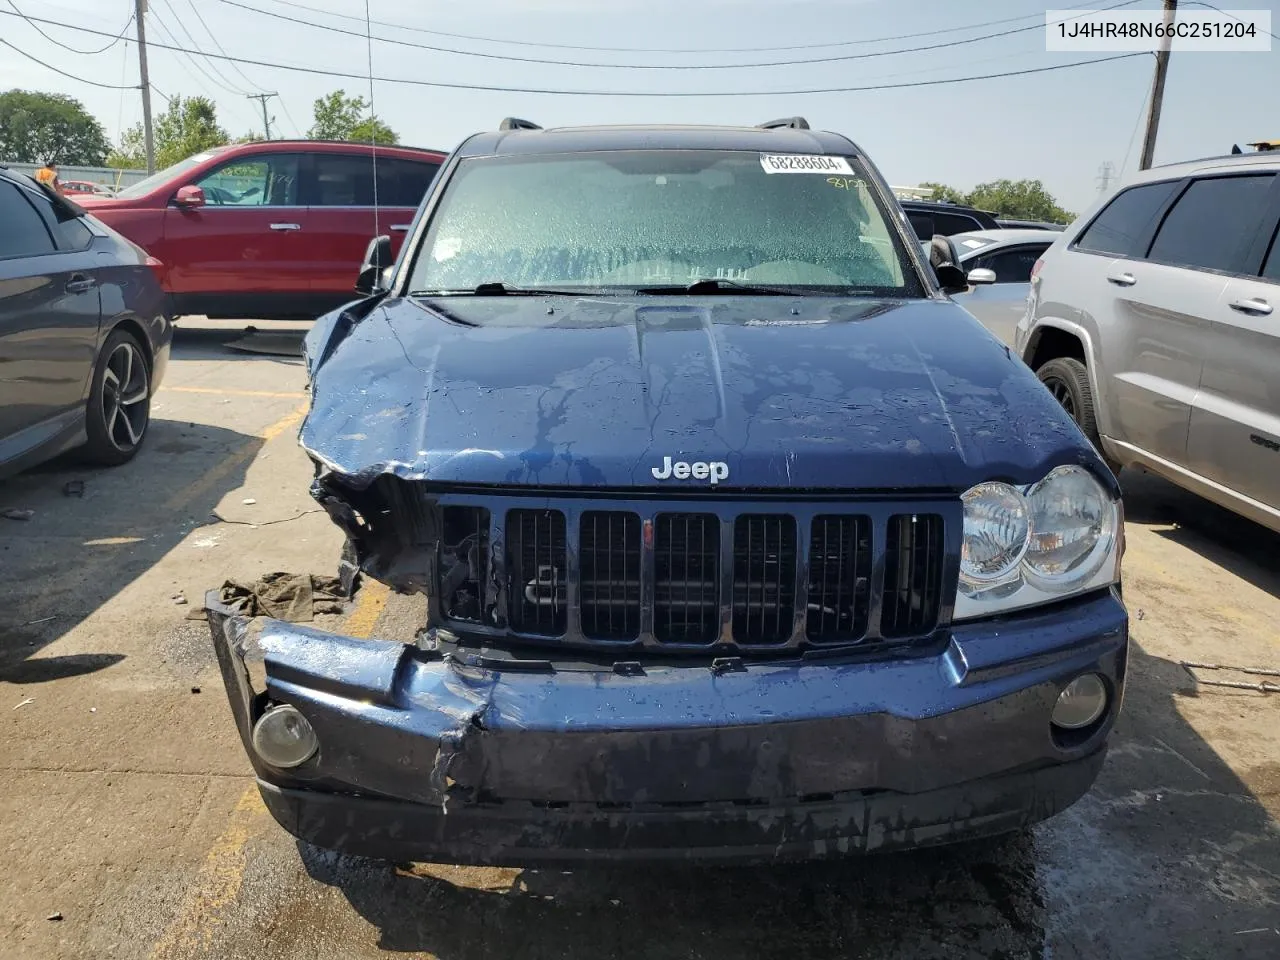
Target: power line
<point>69,76</point>
<point>76,50</point>
<point>182,62</point>
<point>673,50</point>
<point>1225,13</point>
<point>685,94</point>
<point>840,58</point>
<point>284,105</point>
<point>221,49</point>
<point>222,79</point>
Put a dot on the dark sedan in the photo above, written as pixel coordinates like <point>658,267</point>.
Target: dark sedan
<point>84,332</point>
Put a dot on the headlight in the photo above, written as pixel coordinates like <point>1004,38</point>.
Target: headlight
<point>995,534</point>
<point>1073,526</point>
<point>1027,546</point>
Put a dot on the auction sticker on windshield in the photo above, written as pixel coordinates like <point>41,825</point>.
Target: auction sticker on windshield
<point>803,163</point>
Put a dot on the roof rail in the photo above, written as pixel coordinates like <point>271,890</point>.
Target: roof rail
<point>515,123</point>
<point>793,123</point>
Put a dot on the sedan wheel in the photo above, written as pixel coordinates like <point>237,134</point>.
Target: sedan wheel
<point>120,405</point>
<point>125,396</point>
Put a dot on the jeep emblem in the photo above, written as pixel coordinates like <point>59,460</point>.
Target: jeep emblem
<point>715,470</point>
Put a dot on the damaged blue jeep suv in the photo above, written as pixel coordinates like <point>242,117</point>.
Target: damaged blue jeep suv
<point>740,540</point>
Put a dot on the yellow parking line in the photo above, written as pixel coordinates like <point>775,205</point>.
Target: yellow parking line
<point>206,482</point>
<point>222,873</point>
<point>221,392</point>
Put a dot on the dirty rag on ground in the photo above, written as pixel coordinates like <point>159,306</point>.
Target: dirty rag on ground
<point>294,597</point>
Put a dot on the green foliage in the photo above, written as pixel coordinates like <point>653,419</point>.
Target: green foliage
<point>340,117</point>
<point>186,127</point>
<point>49,128</point>
<point>1015,199</point>
<point>1019,199</point>
<point>943,192</point>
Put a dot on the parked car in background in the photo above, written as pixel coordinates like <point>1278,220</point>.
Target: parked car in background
<point>1007,224</point>
<point>739,539</point>
<point>999,264</point>
<point>83,334</point>
<point>270,229</point>
<point>76,189</point>
<point>930,218</point>
<point>1155,320</point>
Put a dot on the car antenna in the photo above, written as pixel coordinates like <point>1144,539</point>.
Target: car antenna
<point>373,126</point>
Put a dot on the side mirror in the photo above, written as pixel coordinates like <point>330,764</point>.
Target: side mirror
<point>981,275</point>
<point>374,272</point>
<point>946,265</point>
<point>189,197</point>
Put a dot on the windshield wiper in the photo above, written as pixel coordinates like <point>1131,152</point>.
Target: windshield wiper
<point>718,285</point>
<point>496,288</point>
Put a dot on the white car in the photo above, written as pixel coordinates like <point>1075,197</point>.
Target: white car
<point>1154,321</point>
<point>999,264</point>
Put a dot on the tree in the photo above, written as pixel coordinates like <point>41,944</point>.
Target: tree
<point>186,127</point>
<point>942,192</point>
<point>49,128</point>
<point>339,117</point>
<point>1019,199</point>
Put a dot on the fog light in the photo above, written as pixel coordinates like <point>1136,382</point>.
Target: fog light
<point>284,738</point>
<point>1081,703</point>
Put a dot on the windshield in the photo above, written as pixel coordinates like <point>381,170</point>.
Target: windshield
<point>143,187</point>
<point>632,220</point>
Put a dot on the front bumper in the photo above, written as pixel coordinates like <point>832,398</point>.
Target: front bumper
<point>423,758</point>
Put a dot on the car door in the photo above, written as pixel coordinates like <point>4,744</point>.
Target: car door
<point>49,314</point>
<point>1149,319</point>
<point>344,218</point>
<point>1000,305</point>
<point>1235,421</point>
<point>248,243</point>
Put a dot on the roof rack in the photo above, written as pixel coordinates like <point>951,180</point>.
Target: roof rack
<point>792,123</point>
<point>515,123</point>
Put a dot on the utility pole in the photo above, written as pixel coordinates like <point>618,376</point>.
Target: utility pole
<point>1106,173</point>
<point>263,97</point>
<point>139,16</point>
<point>1157,87</point>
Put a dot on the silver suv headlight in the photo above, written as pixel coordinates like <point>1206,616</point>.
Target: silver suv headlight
<point>1028,545</point>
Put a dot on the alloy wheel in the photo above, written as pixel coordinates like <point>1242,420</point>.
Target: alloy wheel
<point>124,397</point>
<point>1062,393</point>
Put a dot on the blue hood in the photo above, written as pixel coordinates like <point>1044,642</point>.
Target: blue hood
<point>805,393</point>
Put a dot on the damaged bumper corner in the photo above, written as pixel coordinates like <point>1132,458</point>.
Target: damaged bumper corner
<point>430,758</point>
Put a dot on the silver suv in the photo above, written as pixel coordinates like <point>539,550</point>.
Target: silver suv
<point>1153,320</point>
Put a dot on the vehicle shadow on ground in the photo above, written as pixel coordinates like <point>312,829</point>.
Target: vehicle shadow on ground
<point>1168,855</point>
<point>278,343</point>
<point>76,552</point>
<point>1247,549</point>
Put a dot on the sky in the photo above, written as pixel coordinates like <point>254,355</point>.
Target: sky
<point>1059,127</point>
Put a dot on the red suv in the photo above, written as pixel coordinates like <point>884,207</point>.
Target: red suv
<point>275,229</point>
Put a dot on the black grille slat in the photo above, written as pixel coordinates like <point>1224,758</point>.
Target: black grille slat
<point>839,598</point>
<point>536,564</point>
<point>686,578</point>
<point>912,574</point>
<point>764,577</point>
<point>609,543</point>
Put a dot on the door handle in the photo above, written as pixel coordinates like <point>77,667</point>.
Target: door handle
<point>79,283</point>
<point>1255,306</point>
<point>1122,279</point>
<point>400,227</point>
<point>286,226</point>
